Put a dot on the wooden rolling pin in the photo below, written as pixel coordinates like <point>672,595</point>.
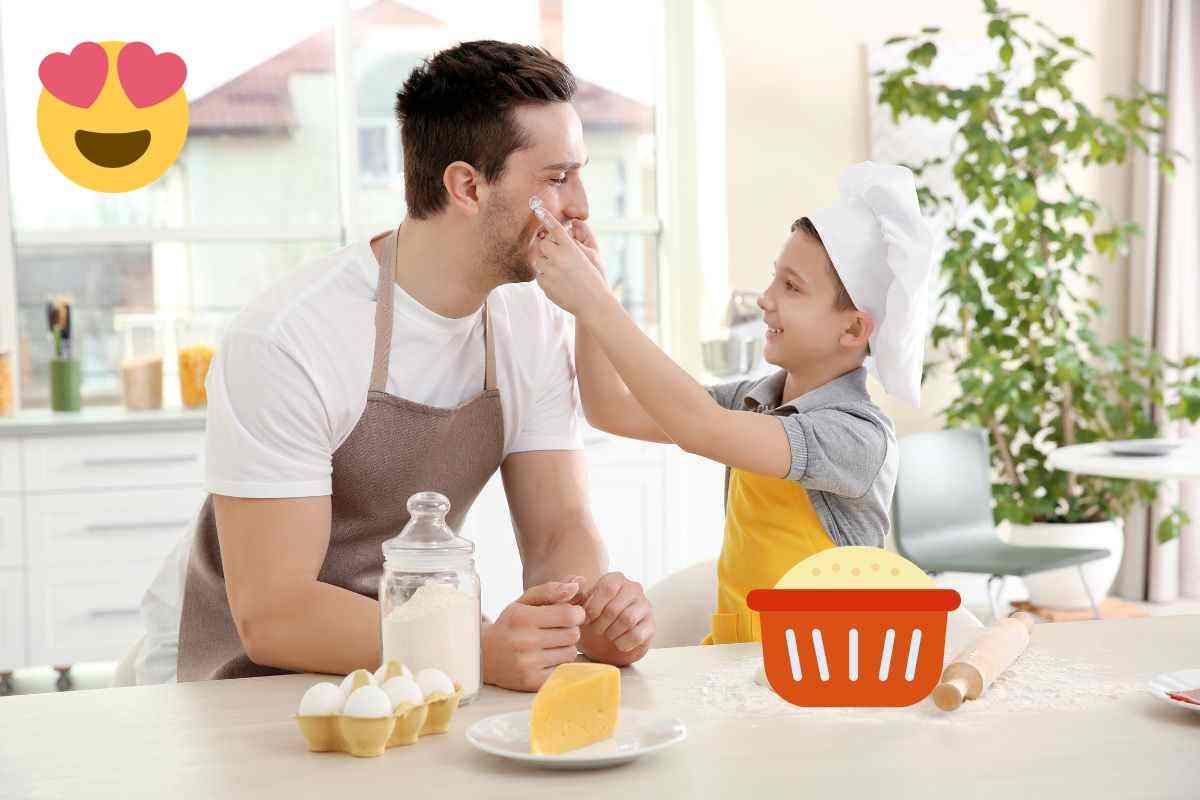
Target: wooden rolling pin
<point>973,671</point>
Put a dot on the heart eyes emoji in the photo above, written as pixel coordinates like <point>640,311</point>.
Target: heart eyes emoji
<point>147,78</point>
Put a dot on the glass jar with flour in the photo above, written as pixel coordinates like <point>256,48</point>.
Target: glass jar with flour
<point>429,596</point>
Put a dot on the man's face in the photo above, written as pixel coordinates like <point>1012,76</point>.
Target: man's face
<point>549,168</point>
<point>798,306</point>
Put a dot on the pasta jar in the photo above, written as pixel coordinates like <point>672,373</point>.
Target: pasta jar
<point>196,339</point>
<point>429,597</point>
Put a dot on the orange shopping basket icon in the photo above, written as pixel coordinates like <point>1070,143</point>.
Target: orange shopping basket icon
<point>853,647</point>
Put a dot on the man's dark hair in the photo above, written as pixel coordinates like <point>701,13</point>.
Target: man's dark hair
<point>458,106</point>
<point>843,301</point>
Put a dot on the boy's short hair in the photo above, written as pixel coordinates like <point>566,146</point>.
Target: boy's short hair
<point>458,106</point>
<point>843,301</point>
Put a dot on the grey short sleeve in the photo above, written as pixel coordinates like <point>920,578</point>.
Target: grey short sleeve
<point>836,450</point>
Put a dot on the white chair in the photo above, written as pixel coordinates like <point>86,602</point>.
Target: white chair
<point>683,604</point>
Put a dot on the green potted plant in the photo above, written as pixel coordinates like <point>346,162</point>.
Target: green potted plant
<point>1016,330</point>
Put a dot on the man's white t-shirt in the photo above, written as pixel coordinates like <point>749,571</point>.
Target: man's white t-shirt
<point>289,382</point>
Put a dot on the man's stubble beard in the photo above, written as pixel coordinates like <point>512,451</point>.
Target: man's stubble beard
<point>506,257</point>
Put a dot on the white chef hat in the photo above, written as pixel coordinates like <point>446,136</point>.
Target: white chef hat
<point>882,249</point>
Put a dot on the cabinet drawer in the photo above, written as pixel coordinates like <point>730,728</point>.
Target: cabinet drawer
<point>86,613</point>
<point>10,465</point>
<point>12,619</point>
<point>90,527</point>
<point>99,462</point>
<point>12,534</point>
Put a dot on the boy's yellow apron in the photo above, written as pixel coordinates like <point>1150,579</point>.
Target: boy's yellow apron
<point>770,524</point>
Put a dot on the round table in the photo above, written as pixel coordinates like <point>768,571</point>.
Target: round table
<point>1095,458</point>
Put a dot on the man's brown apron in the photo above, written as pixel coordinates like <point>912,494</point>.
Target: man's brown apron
<point>397,448</point>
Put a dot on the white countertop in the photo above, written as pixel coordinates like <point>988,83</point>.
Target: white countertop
<point>98,419</point>
<point>1097,459</point>
<point>234,739</point>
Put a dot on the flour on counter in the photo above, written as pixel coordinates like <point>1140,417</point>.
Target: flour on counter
<point>1038,681</point>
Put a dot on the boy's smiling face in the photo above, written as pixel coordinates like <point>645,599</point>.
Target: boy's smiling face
<point>800,308</point>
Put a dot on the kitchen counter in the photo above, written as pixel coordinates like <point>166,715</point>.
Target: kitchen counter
<point>99,419</point>
<point>237,739</point>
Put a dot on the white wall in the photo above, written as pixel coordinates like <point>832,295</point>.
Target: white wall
<point>797,108</point>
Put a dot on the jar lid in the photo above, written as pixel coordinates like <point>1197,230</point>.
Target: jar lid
<point>427,534</point>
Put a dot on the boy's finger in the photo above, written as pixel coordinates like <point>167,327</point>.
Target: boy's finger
<point>551,223</point>
<point>583,234</point>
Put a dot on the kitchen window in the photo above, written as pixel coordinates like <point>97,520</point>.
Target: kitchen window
<point>292,151</point>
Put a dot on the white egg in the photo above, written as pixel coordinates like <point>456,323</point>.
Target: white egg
<point>403,691</point>
<point>368,701</point>
<point>434,681</point>
<point>380,676</point>
<point>321,700</point>
<point>348,682</point>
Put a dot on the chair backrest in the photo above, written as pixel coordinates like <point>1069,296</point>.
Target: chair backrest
<point>943,496</point>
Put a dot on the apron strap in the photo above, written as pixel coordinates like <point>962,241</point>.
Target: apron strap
<point>383,314</point>
<point>384,293</point>
<point>489,349</point>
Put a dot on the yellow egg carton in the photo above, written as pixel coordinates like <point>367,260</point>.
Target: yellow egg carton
<point>366,737</point>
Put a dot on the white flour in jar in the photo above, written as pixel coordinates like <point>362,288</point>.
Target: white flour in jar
<point>437,627</point>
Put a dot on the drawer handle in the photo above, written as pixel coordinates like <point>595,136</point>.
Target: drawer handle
<point>97,613</point>
<point>131,461</point>
<point>121,527</point>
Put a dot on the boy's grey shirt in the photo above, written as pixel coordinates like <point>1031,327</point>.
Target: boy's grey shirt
<point>844,450</point>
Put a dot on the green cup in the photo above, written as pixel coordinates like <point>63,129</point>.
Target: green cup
<point>64,384</point>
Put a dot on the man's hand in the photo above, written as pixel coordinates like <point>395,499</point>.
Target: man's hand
<point>532,636</point>
<point>619,622</point>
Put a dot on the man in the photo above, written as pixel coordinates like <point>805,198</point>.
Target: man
<point>421,360</point>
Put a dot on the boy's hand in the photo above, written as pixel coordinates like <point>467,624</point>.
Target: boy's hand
<point>565,272</point>
<point>586,240</point>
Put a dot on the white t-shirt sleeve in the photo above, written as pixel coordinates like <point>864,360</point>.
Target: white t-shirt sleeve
<point>555,419</point>
<point>268,433</point>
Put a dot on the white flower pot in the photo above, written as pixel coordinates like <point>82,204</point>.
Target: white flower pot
<point>1061,588</point>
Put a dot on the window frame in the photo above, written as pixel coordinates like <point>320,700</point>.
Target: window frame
<point>674,225</point>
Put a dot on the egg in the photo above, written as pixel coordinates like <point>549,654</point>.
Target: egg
<point>321,700</point>
<point>403,692</point>
<point>389,670</point>
<point>434,682</point>
<point>355,680</point>
<point>368,701</point>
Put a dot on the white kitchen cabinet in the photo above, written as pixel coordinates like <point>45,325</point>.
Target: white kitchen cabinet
<point>90,504</point>
<point>100,462</point>
<point>102,527</point>
<point>12,532</point>
<point>10,465</point>
<point>12,619</point>
<point>86,612</point>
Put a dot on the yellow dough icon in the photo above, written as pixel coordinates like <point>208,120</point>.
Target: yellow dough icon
<point>855,568</point>
<point>112,116</point>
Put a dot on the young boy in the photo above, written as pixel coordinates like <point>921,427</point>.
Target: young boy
<point>811,460</point>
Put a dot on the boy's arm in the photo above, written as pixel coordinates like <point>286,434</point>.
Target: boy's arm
<point>680,406</point>
<point>607,401</point>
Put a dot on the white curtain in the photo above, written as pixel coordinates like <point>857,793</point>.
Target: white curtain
<point>1164,283</point>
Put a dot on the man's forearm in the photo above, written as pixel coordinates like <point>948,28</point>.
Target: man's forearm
<point>316,627</point>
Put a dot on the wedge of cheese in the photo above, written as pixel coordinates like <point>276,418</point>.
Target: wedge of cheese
<point>576,706</point>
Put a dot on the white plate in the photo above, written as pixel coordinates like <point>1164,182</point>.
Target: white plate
<point>1146,448</point>
<point>1182,681</point>
<point>638,733</point>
